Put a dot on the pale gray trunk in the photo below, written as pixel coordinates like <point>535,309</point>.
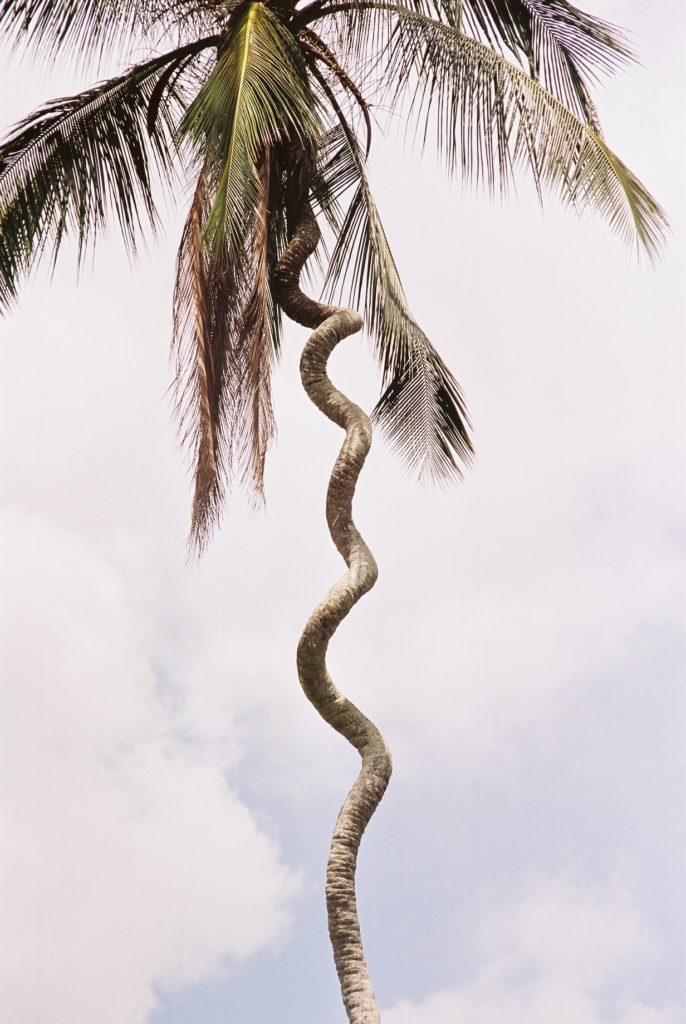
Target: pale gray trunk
<point>337,710</point>
<point>332,324</point>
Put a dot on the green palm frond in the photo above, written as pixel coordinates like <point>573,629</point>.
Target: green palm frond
<point>491,117</point>
<point>563,47</point>
<point>76,159</point>
<point>421,409</point>
<point>256,97</point>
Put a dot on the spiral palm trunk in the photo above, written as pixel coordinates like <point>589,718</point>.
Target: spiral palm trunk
<point>332,324</point>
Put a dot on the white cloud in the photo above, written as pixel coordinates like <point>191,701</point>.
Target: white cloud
<point>565,952</point>
<point>128,863</point>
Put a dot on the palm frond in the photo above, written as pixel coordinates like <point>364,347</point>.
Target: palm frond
<point>52,27</point>
<point>86,33</point>
<point>356,32</point>
<point>256,97</point>
<point>75,160</point>
<point>335,172</point>
<point>257,344</point>
<point>421,410</point>
<point>564,48</point>
<point>199,340</point>
<point>491,117</point>
<point>317,50</point>
<point>225,338</point>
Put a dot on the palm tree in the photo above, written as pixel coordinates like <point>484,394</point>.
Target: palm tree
<point>265,108</point>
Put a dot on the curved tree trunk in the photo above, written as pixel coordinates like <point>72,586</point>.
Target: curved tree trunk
<point>332,324</point>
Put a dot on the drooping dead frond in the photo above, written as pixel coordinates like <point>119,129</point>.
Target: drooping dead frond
<point>223,345</point>
<point>256,348</point>
<point>197,345</point>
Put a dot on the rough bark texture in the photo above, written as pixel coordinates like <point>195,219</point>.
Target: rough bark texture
<point>332,324</point>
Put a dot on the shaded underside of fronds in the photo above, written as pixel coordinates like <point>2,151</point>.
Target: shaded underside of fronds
<point>49,26</point>
<point>77,161</point>
<point>562,47</point>
<point>90,33</point>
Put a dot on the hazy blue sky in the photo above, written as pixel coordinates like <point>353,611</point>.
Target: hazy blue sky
<point>167,793</point>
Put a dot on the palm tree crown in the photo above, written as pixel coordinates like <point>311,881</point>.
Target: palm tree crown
<point>264,108</point>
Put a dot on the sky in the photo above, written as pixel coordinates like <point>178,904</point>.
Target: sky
<point>166,792</point>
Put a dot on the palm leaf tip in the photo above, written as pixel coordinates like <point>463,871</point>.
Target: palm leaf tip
<point>423,414</point>
<point>624,201</point>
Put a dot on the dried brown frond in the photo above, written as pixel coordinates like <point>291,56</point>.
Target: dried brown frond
<point>222,351</point>
<point>195,356</point>
<point>256,349</point>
